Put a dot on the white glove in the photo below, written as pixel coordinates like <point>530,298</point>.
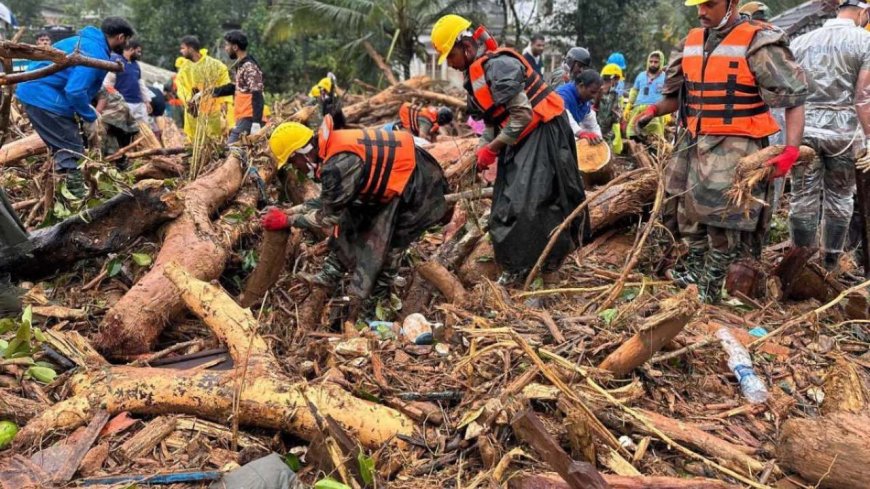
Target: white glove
<point>196,97</point>
<point>255,128</point>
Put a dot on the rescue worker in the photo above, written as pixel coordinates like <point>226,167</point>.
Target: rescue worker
<point>537,183</point>
<point>118,124</point>
<point>618,59</point>
<point>129,83</point>
<point>579,97</point>
<point>836,57</point>
<point>576,60</point>
<point>608,109</point>
<point>247,89</point>
<point>534,52</point>
<point>755,11</point>
<point>196,78</point>
<point>647,90</point>
<point>379,192</point>
<point>721,127</point>
<point>325,94</point>
<point>422,122</point>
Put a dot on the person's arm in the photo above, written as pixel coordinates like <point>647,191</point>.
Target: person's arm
<point>224,90</point>
<point>632,95</point>
<point>590,123</point>
<point>78,84</point>
<point>576,129</point>
<point>145,92</point>
<point>862,100</point>
<point>506,79</point>
<point>519,117</point>
<point>340,176</point>
<point>795,118</point>
<point>109,81</point>
<point>254,82</point>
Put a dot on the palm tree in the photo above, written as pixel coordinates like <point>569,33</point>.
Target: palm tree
<point>371,26</point>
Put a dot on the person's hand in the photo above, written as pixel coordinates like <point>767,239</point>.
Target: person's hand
<point>863,162</point>
<point>486,157</point>
<point>591,137</point>
<point>196,97</point>
<point>626,114</point>
<point>783,163</point>
<point>646,117</point>
<point>275,220</point>
<point>149,108</point>
<point>255,128</point>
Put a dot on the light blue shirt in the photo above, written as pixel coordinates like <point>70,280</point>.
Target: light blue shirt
<point>649,91</point>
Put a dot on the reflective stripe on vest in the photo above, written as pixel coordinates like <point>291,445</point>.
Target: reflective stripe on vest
<point>722,93</point>
<point>410,116</point>
<point>388,157</point>
<point>546,104</point>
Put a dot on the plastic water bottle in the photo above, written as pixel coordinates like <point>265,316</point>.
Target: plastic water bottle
<point>740,363</point>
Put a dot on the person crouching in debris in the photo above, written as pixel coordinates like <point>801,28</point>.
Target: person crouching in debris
<point>423,122</point>
<point>379,193</point>
<point>538,183</point>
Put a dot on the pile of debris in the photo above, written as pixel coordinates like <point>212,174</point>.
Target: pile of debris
<point>167,340</point>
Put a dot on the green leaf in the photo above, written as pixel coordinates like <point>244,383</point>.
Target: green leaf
<point>66,193</point>
<point>27,316</point>
<point>629,294</point>
<point>60,211</point>
<point>381,311</point>
<point>538,283</point>
<point>20,346</point>
<point>249,260</point>
<point>42,374</point>
<point>608,315</point>
<point>366,468</point>
<point>39,335</point>
<point>114,267</point>
<point>7,325</point>
<point>141,259</point>
<point>293,462</point>
<point>329,484</point>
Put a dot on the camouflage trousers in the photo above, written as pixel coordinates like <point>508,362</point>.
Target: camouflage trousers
<point>823,190</point>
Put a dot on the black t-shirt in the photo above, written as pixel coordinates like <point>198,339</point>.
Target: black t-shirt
<point>158,102</point>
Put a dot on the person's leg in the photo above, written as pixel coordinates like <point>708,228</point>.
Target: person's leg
<point>838,204</point>
<point>726,246</point>
<point>243,126</point>
<point>689,269</point>
<point>139,112</point>
<point>63,137</point>
<point>805,204</point>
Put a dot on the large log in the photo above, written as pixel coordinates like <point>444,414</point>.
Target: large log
<point>832,452</point>
<point>801,279</point>
<point>553,481</point>
<point>265,396</point>
<point>135,322</point>
<point>622,201</point>
<point>25,147</point>
<point>655,332</point>
<point>388,100</point>
<point>108,227</point>
<point>272,255</point>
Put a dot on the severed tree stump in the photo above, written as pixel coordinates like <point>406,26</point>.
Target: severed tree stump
<point>267,397</point>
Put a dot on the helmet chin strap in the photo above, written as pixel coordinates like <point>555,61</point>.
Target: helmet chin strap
<point>726,18</point>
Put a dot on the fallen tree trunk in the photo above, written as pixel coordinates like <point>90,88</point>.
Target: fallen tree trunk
<point>388,100</point>
<point>655,332</point>
<point>446,283</point>
<point>266,397</point>
<point>622,201</point>
<point>553,481</point>
<point>831,452</point>
<point>157,152</point>
<point>106,228</point>
<point>135,322</point>
<point>25,147</point>
<point>19,409</point>
<point>272,255</point>
<point>159,168</point>
<point>61,60</point>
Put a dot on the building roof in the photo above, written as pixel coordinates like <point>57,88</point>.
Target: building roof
<point>805,17</point>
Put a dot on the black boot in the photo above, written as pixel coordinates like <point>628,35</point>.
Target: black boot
<point>75,183</point>
<point>805,238</point>
<point>329,275</point>
<point>713,275</point>
<point>688,270</point>
<point>831,261</point>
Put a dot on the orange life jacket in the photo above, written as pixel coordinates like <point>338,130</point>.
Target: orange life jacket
<point>409,115</point>
<point>388,157</point>
<point>722,94</point>
<point>546,104</point>
<point>243,103</point>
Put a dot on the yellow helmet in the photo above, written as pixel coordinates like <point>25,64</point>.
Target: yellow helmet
<point>324,84</point>
<point>692,3</point>
<point>611,70</point>
<point>287,139</point>
<point>445,32</point>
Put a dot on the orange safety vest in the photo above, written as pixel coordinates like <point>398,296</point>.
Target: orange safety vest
<point>409,115</point>
<point>546,104</point>
<point>722,93</point>
<point>388,156</point>
<point>243,103</point>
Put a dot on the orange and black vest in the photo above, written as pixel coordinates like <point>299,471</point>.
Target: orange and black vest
<point>410,116</point>
<point>546,104</point>
<point>722,93</point>
<point>388,157</point>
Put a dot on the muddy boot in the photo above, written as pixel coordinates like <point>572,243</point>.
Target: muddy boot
<point>509,278</point>
<point>75,183</point>
<point>803,237</point>
<point>688,270</point>
<point>713,275</point>
<point>329,275</point>
<point>831,261</point>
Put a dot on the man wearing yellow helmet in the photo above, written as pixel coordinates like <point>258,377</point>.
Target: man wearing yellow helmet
<point>538,183</point>
<point>723,80</point>
<point>379,193</point>
<point>325,94</point>
<point>609,111</point>
<point>836,57</point>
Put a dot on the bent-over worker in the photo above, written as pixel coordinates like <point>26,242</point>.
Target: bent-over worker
<point>423,122</point>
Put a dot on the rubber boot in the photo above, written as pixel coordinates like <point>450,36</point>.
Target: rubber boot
<point>75,183</point>
<point>389,274</point>
<point>831,261</point>
<point>688,270</point>
<point>509,278</point>
<point>803,238</point>
<point>329,275</point>
<point>713,275</point>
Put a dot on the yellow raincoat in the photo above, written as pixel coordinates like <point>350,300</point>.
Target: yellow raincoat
<point>204,75</point>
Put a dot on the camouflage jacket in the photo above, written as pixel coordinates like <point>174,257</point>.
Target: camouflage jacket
<point>116,113</point>
<point>609,111</point>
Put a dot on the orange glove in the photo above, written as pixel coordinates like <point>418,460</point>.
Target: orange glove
<point>486,157</point>
<point>783,163</point>
<point>275,220</point>
<point>646,116</point>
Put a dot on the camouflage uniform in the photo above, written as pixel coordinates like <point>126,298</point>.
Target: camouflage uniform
<point>609,112</point>
<point>371,238</point>
<point>703,169</point>
<point>833,56</point>
<point>118,121</point>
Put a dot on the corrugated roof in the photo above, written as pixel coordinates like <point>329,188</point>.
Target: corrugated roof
<point>805,17</point>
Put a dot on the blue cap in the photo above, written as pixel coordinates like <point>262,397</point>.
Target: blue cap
<point>618,59</point>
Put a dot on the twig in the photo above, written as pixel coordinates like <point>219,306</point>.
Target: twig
<point>805,316</point>
<point>484,193</point>
<point>166,351</point>
<point>682,351</point>
<point>554,237</point>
